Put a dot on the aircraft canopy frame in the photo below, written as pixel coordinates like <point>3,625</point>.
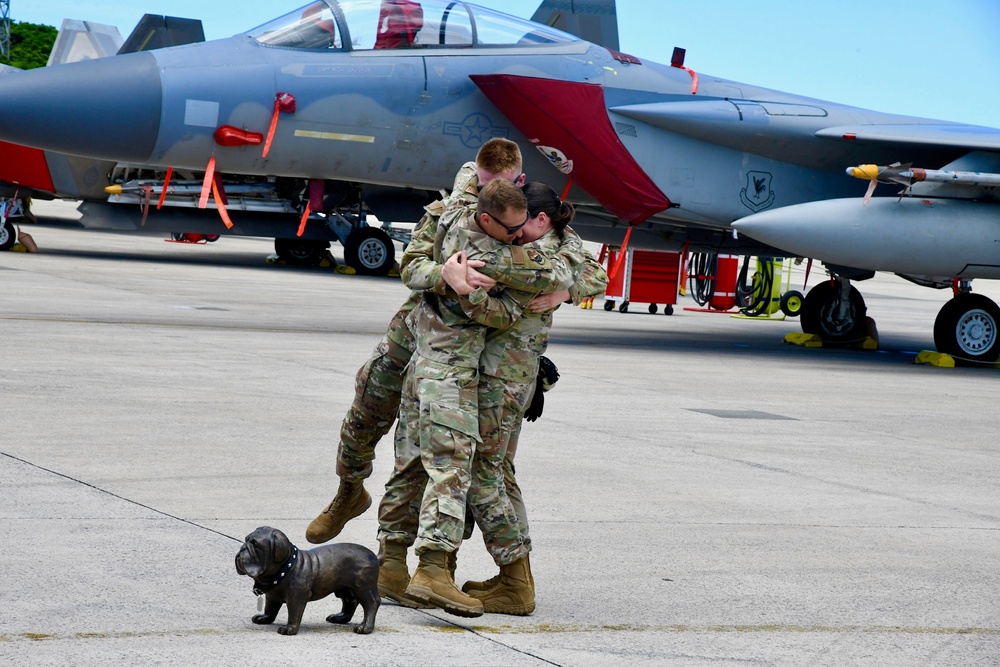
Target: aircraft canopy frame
<point>372,25</point>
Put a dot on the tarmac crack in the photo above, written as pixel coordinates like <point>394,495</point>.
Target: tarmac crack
<point>76,480</point>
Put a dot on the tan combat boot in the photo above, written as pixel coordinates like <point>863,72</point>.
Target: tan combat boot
<point>394,577</point>
<point>432,584</point>
<point>471,586</point>
<point>351,500</point>
<point>514,595</point>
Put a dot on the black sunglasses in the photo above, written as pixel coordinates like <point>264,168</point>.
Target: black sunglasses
<point>510,230</point>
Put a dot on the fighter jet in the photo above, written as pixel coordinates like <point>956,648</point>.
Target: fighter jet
<point>389,97</point>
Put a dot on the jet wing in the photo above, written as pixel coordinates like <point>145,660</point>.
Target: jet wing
<point>944,135</point>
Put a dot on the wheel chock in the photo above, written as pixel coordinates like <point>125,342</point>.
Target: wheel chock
<point>939,359</point>
<point>803,339</point>
<point>868,343</point>
<point>344,269</point>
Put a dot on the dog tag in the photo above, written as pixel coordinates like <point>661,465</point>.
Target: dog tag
<point>260,603</point>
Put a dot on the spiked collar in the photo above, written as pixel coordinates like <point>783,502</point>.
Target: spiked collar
<point>263,587</point>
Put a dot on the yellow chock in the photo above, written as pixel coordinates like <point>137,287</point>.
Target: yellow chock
<point>17,247</point>
<point>939,359</point>
<point>869,343</point>
<point>346,270</point>
<point>803,339</point>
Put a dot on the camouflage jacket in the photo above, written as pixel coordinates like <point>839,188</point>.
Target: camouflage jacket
<point>450,328</point>
<point>465,191</point>
<point>512,354</point>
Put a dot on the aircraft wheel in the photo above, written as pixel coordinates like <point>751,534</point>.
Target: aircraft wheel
<point>791,303</point>
<point>966,328</point>
<point>609,306</point>
<point>8,237</point>
<point>300,252</point>
<point>821,314</point>
<point>652,309</point>
<point>623,308</point>
<point>369,251</point>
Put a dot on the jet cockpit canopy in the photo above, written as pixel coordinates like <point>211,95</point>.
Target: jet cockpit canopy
<point>360,25</point>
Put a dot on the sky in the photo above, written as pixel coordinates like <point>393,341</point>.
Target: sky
<point>927,58</point>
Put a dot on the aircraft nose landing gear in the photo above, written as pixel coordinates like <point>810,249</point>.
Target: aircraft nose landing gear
<point>835,311</point>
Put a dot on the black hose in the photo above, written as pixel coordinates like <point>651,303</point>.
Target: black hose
<point>701,276</point>
<point>755,298</point>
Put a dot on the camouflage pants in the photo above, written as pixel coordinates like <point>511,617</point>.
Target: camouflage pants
<point>513,490</point>
<point>435,440</point>
<point>377,391</point>
<point>501,406</point>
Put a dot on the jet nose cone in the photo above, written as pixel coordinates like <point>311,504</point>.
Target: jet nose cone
<point>104,108</point>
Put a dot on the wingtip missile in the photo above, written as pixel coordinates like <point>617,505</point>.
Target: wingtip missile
<point>866,172</point>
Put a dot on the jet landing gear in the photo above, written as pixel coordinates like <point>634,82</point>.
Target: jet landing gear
<point>967,328</point>
<point>835,311</point>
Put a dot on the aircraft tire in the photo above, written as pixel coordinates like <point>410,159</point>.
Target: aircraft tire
<point>370,251</point>
<point>968,328</point>
<point>791,303</point>
<point>8,237</point>
<point>818,314</point>
<point>300,252</point>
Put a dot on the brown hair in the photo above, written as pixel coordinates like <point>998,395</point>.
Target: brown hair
<point>499,155</point>
<point>499,195</point>
<point>543,199</point>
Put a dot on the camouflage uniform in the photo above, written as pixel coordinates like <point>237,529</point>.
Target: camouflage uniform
<point>592,283</point>
<point>508,368</point>
<point>379,382</point>
<point>439,415</point>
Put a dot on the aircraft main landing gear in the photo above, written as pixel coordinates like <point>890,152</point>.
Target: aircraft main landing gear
<point>8,236</point>
<point>967,328</point>
<point>835,311</point>
<point>300,252</point>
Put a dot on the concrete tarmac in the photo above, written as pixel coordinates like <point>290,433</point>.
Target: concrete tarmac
<point>700,493</point>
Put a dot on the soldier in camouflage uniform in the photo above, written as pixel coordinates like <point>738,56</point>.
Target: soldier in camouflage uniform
<point>508,370</point>
<point>439,416</point>
<point>379,382</point>
<point>377,388</point>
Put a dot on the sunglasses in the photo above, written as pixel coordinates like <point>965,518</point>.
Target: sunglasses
<point>510,230</point>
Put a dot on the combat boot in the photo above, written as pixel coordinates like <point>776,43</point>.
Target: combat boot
<point>514,595</point>
<point>432,584</point>
<point>477,586</point>
<point>351,500</point>
<point>394,576</point>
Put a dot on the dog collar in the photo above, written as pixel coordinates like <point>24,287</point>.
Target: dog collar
<point>262,588</point>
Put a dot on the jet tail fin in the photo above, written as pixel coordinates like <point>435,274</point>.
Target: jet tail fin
<point>84,40</point>
<point>157,32</point>
<point>594,20</point>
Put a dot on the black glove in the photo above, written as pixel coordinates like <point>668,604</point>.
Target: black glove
<point>548,374</point>
<point>534,410</point>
